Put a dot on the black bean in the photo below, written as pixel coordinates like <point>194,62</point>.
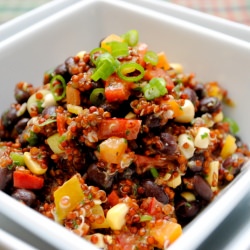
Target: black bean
<point>99,176</point>
<point>187,209</point>
<point>202,188</point>
<point>5,177</point>
<point>70,65</point>
<point>21,95</point>
<point>63,71</point>
<point>170,146</point>
<point>209,105</point>
<point>24,195</point>
<point>195,163</point>
<point>234,163</point>
<point>153,190</point>
<point>20,126</point>
<point>152,121</point>
<point>49,111</point>
<point>9,118</point>
<point>190,94</point>
<point>200,90</point>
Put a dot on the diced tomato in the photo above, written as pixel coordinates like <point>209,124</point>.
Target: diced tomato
<point>113,198</point>
<point>116,89</point>
<point>151,207</point>
<point>26,180</point>
<point>126,241</point>
<point>141,51</point>
<point>125,128</point>
<point>152,72</point>
<point>61,123</point>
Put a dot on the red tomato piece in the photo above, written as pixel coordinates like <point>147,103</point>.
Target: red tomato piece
<point>61,122</point>
<point>26,180</point>
<point>152,72</point>
<point>141,50</point>
<point>113,198</point>
<point>124,128</point>
<point>116,89</point>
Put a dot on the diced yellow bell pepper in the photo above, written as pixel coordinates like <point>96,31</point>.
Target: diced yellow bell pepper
<point>67,197</point>
<point>53,142</point>
<point>112,149</point>
<point>32,165</point>
<point>116,216</point>
<point>98,210</point>
<point>110,38</point>
<point>229,146</point>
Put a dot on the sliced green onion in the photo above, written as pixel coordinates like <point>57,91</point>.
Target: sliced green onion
<point>97,96</point>
<point>103,58</point>
<point>145,217</point>
<point>103,71</point>
<point>234,127</point>
<point>131,37</point>
<point>155,88</point>
<point>118,49</point>
<point>95,53</point>
<point>17,158</point>
<point>106,65</point>
<point>54,88</point>
<point>130,68</point>
<point>154,172</point>
<point>47,122</point>
<point>32,138</point>
<point>160,83</point>
<point>151,92</point>
<point>151,57</point>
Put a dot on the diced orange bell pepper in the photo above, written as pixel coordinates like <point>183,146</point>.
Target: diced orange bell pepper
<point>175,107</point>
<point>165,233</point>
<point>73,96</point>
<point>162,61</point>
<point>112,149</point>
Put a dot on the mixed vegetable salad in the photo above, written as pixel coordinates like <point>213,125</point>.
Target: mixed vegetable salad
<point>119,146</point>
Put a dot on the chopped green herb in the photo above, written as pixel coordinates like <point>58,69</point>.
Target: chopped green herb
<point>205,135</point>
<point>234,127</point>
<point>145,217</point>
<point>154,172</point>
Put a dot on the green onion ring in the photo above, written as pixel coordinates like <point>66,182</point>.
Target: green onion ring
<point>127,68</point>
<point>95,51</point>
<point>97,96</point>
<point>151,57</point>
<point>131,37</point>
<point>54,88</point>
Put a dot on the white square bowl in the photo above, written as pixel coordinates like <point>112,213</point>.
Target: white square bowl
<point>210,55</point>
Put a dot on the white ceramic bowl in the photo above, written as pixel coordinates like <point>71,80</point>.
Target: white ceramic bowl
<point>210,54</point>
